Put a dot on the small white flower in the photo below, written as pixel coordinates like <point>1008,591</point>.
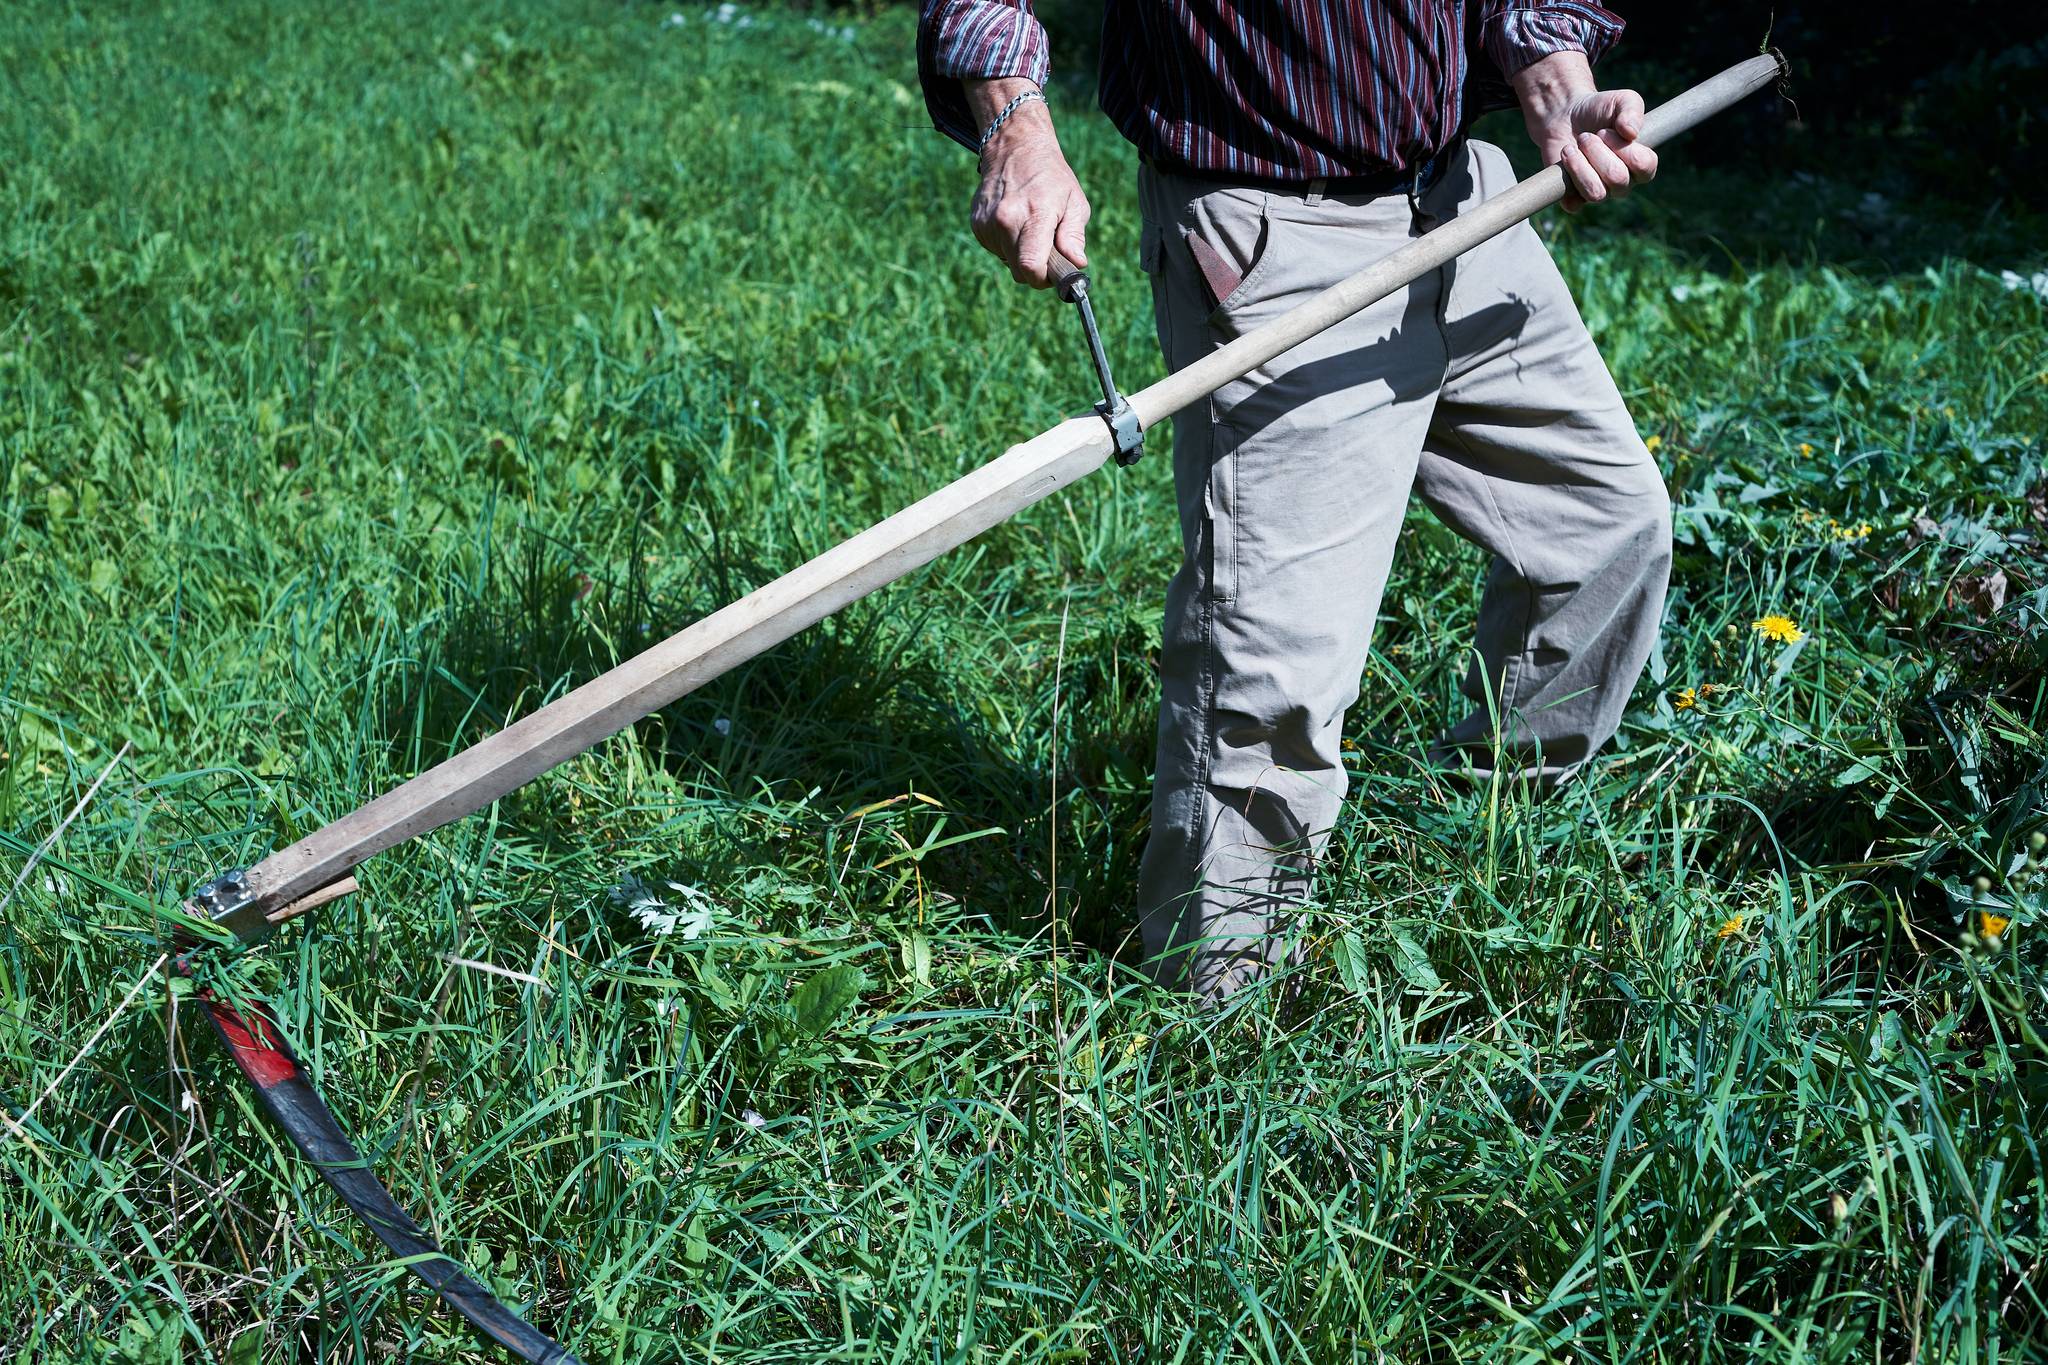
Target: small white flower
<point>752,1119</point>
<point>2038,282</point>
<point>675,20</point>
<point>722,725</point>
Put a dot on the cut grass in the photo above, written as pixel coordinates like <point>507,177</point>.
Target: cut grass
<point>365,383</point>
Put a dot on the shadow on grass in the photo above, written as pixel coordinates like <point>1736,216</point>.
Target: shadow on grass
<point>1955,799</point>
<point>856,710</point>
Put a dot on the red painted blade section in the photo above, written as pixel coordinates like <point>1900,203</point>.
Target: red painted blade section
<point>257,1044</point>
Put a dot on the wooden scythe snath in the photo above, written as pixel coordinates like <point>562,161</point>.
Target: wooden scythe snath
<point>246,905</point>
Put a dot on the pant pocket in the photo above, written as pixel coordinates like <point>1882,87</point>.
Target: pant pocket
<point>1244,256</point>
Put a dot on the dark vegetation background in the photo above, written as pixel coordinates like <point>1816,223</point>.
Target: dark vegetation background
<point>1929,101</point>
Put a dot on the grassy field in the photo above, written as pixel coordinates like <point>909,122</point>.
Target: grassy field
<point>369,377</point>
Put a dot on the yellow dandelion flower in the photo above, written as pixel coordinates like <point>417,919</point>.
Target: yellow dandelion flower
<point>1806,448</point>
<point>1780,629</point>
<point>1731,926</point>
<point>1949,413</point>
<point>1990,925</point>
<point>1685,699</point>
<point>1653,444</point>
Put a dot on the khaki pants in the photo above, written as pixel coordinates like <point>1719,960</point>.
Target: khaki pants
<point>1478,388</point>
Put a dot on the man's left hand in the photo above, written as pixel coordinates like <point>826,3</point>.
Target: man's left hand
<point>1590,131</point>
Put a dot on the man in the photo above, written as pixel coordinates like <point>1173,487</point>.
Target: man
<point>1286,144</point>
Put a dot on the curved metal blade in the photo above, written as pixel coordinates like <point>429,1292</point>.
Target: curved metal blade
<point>256,1043</point>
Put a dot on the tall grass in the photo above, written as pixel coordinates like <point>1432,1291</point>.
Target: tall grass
<point>368,378</point>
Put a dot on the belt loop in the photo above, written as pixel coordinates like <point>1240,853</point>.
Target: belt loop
<point>1315,191</point>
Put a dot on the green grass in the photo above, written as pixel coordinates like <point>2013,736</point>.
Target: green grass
<point>369,377</point>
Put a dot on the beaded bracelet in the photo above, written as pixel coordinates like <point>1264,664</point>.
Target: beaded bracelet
<point>1004,116</point>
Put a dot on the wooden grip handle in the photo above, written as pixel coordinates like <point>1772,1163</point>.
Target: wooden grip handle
<point>1069,281</point>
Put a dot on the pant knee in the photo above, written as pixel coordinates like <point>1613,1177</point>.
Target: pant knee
<point>1640,522</point>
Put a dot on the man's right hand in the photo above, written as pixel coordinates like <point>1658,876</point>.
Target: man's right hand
<point>1028,201</point>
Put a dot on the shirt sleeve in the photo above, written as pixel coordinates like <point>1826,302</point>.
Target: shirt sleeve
<point>975,38</point>
<point>1518,32</point>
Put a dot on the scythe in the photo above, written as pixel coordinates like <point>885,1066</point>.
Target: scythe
<point>244,906</point>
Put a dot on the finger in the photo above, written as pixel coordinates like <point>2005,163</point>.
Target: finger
<point>1626,114</point>
<point>996,221</point>
<point>1557,153</point>
<point>1072,236</point>
<point>1640,160</point>
<point>1613,174</point>
<point>1034,249</point>
<point>986,232</point>
<point>992,241</point>
<point>1579,174</point>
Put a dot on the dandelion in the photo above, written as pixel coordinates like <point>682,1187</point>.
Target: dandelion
<point>1654,444</point>
<point>1992,926</point>
<point>1805,449</point>
<point>1686,699</point>
<point>1731,926</point>
<point>1779,629</point>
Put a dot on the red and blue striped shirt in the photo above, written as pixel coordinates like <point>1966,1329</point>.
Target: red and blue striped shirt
<point>1271,89</point>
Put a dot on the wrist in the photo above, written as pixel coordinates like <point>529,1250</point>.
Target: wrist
<point>1029,124</point>
<point>986,96</point>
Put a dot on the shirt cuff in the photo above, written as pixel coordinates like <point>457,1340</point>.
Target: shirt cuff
<point>975,39</point>
<point>1517,34</point>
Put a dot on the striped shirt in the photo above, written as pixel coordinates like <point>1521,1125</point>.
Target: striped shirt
<point>1271,89</point>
